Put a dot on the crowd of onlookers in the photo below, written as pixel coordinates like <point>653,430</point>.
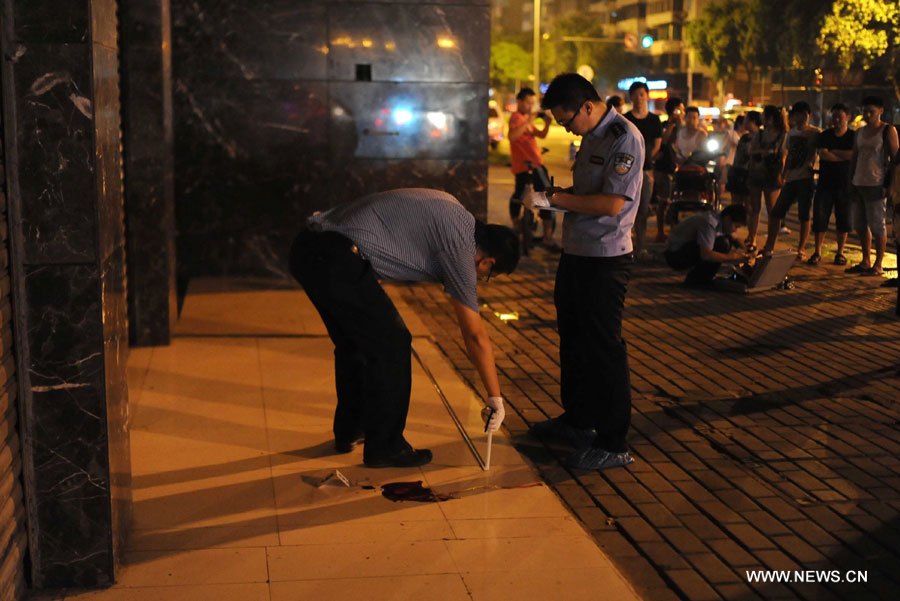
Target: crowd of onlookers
<point>770,157</point>
<point>778,158</point>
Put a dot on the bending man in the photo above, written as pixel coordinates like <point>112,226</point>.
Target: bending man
<point>412,234</point>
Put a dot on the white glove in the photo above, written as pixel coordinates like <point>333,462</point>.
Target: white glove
<point>496,415</point>
<point>538,200</point>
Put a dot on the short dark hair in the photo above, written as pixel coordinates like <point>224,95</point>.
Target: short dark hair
<point>614,101</point>
<point>524,93</point>
<point>672,104</point>
<point>637,86</point>
<point>691,109</point>
<point>801,107</point>
<point>569,91</point>
<point>840,106</point>
<point>755,117</point>
<point>500,243</point>
<point>770,111</point>
<point>737,213</point>
<point>873,101</point>
<point>738,121</point>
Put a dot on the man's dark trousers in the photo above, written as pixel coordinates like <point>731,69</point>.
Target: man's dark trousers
<point>688,257</point>
<point>595,381</point>
<point>372,352</point>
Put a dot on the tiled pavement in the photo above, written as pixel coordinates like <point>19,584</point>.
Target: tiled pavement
<point>766,428</point>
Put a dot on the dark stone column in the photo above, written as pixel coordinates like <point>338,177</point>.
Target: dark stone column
<point>61,106</point>
<point>286,107</point>
<point>149,205</point>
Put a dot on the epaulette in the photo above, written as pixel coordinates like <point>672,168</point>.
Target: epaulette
<point>617,129</point>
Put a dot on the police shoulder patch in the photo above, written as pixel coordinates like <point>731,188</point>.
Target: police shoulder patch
<point>617,129</point>
<point>623,162</point>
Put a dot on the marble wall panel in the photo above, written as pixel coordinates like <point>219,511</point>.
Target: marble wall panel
<point>244,162</point>
<point>265,134</point>
<point>266,39</point>
<point>427,121</point>
<point>66,231</point>
<point>425,43</point>
<point>55,138</point>
<point>57,22</point>
<point>465,179</point>
<point>69,432</point>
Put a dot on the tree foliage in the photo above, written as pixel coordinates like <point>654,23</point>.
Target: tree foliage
<point>721,36</point>
<point>864,33</point>
<point>509,63</point>
<point>860,31</point>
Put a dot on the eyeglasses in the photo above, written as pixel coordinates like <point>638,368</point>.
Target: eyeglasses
<point>569,122</point>
<point>490,273</point>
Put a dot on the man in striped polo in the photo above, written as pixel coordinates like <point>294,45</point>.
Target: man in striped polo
<point>411,234</point>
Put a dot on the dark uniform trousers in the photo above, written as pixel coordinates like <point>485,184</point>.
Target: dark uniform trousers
<point>372,346</point>
<point>595,381</point>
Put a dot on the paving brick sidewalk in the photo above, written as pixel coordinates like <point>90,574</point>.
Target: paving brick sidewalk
<point>766,428</point>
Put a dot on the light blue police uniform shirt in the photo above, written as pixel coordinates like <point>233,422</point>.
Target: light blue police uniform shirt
<point>412,234</point>
<point>610,161</point>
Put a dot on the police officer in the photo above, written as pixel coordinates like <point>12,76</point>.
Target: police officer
<point>411,234</point>
<point>593,274</point>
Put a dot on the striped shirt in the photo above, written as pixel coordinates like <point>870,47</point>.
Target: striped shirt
<point>412,234</point>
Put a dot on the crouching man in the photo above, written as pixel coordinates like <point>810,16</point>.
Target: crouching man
<point>411,234</point>
<point>702,242</point>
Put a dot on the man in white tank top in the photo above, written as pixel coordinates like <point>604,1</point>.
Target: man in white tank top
<point>691,137</point>
<point>874,147</point>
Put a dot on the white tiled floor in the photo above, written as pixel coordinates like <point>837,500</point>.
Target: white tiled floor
<point>228,433</point>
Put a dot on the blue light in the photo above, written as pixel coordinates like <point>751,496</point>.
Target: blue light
<point>653,84</point>
<point>543,87</point>
<point>402,116</point>
<point>646,41</point>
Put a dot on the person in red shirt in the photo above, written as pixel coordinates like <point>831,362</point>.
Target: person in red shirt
<point>526,157</point>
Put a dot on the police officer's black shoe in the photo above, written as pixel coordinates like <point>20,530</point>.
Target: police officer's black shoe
<point>557,430</point>
<point>406,457</point>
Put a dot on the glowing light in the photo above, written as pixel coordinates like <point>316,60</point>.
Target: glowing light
<point>435,133</point>
<point>446,43</point>
<point>504,317</point>
<point>653,84</point>
<point>658,94</point>
<point>402,116</point>
<point>324,49</point>
<point>390,46</point>
<point>379,122</point>
<point>646,41</point>
<point>367,43</point>
<point>712,145</point>
<point>338,112</point>
<point>437,119</point>
<point>343,41</point>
